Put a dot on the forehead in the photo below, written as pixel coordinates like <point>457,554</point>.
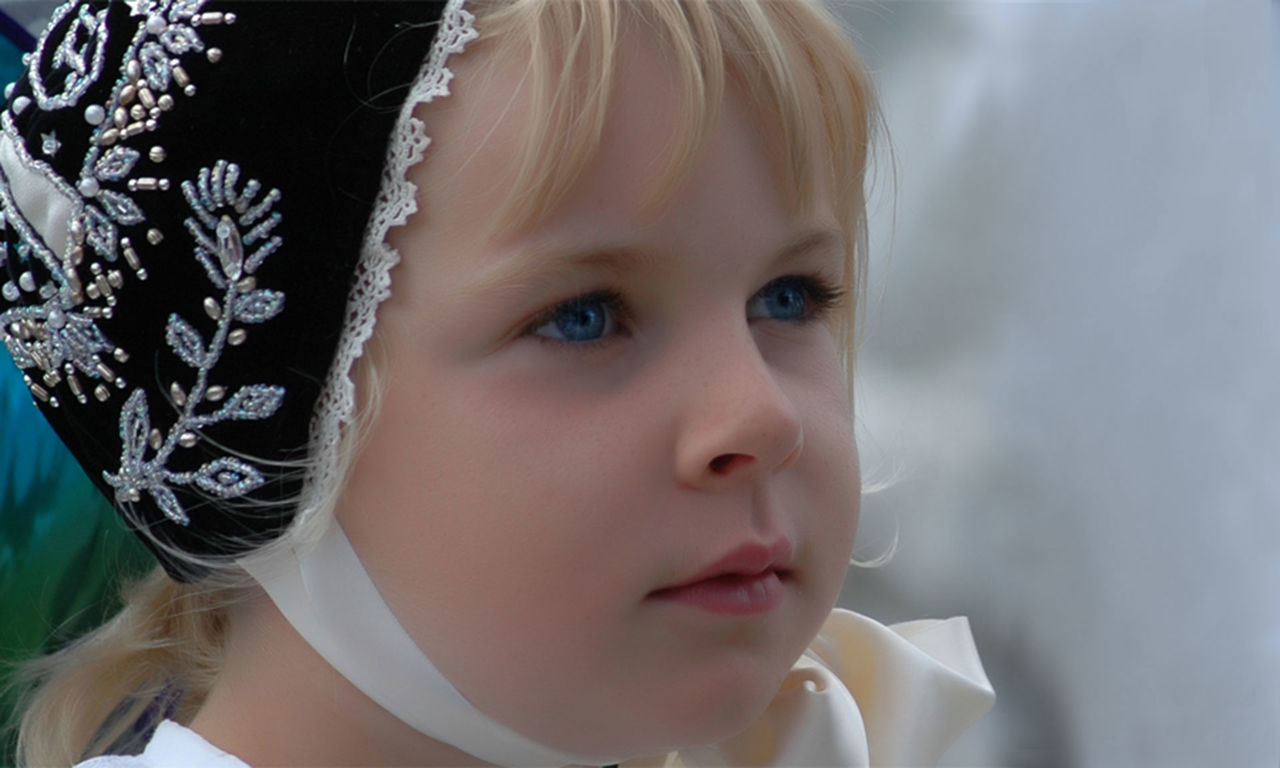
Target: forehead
<point>480,133</point>
<point>479,140</point>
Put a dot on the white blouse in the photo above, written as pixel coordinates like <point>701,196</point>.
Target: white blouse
<point>863,694</point>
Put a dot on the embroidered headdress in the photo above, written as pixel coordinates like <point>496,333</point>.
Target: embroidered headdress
<point>194,195</point>
<point>194,201</point>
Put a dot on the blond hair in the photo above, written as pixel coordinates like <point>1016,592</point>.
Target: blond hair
<point>804,80</point>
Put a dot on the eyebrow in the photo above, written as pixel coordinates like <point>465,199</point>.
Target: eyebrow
<point>546,264</point>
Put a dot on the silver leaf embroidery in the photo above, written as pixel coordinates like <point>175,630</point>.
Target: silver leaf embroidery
<point>100,232</point>
<point>185,342</point>
<point>221,253</point>
<point>116,164</point>
<point>228,477</point>
<point>168,503</point>
<point>254,401</point>
<point>135,425</point>
<point>121,208</point>
<point>259,306</point>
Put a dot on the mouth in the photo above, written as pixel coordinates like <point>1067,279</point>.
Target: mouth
<point>750,580</point>
<point>732,594</point>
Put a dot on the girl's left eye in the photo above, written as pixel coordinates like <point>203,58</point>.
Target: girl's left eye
<point>794,298</point>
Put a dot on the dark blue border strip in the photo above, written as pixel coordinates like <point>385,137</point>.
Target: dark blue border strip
<point>16,33</point>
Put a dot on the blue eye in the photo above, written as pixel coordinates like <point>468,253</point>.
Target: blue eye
<point>594,319</point>
<point>581,320</point>
<point>781,300</point>
<point>794,298</point>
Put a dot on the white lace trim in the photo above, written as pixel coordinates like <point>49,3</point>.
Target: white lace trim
<point>396,202</point>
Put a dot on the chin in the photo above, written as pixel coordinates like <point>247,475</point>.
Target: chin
<point>721,703</point>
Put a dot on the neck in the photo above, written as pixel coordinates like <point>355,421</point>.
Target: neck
<point>277,702</point>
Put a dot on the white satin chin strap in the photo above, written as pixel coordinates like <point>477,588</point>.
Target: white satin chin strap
<point>866,695</point>
<point>329,598</point>
<point>863,694</point>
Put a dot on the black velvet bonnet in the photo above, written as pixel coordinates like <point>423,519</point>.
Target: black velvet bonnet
<point>185,187</point>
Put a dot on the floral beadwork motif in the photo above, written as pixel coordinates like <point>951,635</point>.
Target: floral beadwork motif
<point>233,236</point>
<point>56,337</point>
<point>66,282</point>
<point>152,312</point>
<point>52,333</point>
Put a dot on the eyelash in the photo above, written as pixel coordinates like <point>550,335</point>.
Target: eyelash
<point>822,295</point>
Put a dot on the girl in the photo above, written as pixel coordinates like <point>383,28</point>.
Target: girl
<point>593,498</point>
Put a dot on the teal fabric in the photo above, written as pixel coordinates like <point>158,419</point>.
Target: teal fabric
<point>10,61</point>
<point>63,550</point>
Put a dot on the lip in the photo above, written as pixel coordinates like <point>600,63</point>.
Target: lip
<point>748,580</point>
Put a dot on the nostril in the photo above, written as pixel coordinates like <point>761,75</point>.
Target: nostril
<point>726,462</point>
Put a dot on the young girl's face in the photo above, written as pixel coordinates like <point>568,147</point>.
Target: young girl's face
<point>542,472</point>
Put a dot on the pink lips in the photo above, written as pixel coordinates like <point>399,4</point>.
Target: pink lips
<point>747,581</point>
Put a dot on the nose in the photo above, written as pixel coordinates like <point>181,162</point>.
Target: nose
<point>739,425</point>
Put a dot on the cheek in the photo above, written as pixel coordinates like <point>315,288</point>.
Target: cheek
<point>482,481</point>
<point>833,474</point>
<point>504,525</point>
<point>839,508</point>
<point>485,509</point>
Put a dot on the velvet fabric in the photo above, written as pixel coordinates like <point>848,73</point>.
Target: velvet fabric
<point>286,109</point>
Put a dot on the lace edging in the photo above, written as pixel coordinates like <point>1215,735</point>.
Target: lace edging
<point>371,285</point>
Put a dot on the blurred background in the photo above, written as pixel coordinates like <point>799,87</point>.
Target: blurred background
<point>1070,387</point>
<point>1071,379</point>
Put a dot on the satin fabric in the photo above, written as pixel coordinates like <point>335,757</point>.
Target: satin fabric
<point>864,694</point>
<point>326,594</point>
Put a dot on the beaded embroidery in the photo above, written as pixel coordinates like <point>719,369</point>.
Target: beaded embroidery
<point>223,251</point>
<point>73,53</point>
<point>68,281</point>
<point>92,197</point>
<point>58,339</point>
